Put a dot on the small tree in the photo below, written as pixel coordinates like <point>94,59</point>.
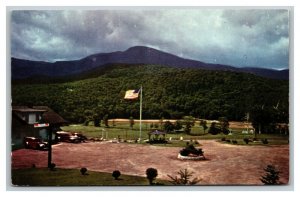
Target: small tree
<point>246,140</point>
<point>105,120</point>
<point>203,123</point>
<point>271,177</point>
<point>97,122</point>
<point>188,121</point>
<point>177,125</point>
<point>116,174</point>
<point>214,130</point>
<point>151,125</point>
<point>151,175</point>
<point>161,122</point>
<point>88,116</point>
<point>131,122</point>
<point>224,125</point>
<point>168,126</point>
<point>83,171</point>
<point>184,178</point>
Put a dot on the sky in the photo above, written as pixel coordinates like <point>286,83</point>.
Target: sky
<point>237,37</point>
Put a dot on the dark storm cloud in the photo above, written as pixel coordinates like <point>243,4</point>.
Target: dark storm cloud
<point>235,37</point>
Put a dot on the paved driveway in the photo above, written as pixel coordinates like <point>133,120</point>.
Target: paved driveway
<point>225,164</point>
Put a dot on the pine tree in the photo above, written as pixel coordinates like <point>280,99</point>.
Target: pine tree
<point>271,177</point>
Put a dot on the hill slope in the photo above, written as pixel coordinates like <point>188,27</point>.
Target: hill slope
<point>167,92</point>
<point>134,55</point>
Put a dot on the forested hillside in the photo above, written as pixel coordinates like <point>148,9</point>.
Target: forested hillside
<point>167,92</point>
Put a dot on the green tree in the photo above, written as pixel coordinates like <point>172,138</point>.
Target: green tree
<point>96,119</point>
<point>131,122</point>
<point>151,125</point>
<point>151,175</point>
<point>168,126</point>
<point>203,123</point>
<point>177,125</point>
<point>188,122</point>
<point>271,177</point>
<point>262,118</point>
<point>161,122</point>
<point>224,125</point>
<point>88,116</point>
<point>184,178</point>
<point>105,120</point>
<point>213,129</point>
<point>116,174</point>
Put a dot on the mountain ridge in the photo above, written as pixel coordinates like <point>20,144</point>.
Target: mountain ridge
<point>21,68</point>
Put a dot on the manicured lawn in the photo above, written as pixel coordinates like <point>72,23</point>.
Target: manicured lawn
<point>72,177</point>
<point>123,131</point>
<point>258,142</point>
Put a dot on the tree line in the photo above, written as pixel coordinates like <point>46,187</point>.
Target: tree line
<point>167,93</point>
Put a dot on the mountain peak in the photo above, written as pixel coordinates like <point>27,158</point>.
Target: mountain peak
<point>139,48</point>
<point>133,55</point>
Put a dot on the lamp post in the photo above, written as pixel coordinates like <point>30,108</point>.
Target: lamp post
<point>49,146</point>
<point>49,130</point>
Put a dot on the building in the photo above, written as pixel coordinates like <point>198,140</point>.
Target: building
<point>24,118</point>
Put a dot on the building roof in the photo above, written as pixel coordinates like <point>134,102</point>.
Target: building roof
<point>53,118</point>
<point>26,109</point>
<point>48,115</point>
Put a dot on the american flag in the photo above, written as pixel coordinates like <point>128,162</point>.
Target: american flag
<point>132,94</point>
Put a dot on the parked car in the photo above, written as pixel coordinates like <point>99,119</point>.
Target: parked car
<point>63,136</point>
<point>35,143</point>
<point>81,137</point>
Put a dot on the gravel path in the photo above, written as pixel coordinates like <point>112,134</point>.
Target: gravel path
<point>225,165</point>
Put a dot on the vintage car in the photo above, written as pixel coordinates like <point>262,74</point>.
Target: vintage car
<point>35,143</point>
<point>63,136</point>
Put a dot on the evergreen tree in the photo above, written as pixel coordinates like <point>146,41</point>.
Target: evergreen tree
<point>271,177</point>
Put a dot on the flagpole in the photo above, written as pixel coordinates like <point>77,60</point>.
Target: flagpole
<point>141,100</point>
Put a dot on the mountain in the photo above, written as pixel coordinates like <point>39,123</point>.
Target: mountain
<point>21,69</point>
<point>167,92</point>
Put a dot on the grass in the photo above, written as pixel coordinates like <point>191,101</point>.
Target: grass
<point>259,142</point>
<point>124,131</point>
<point>72,177</point>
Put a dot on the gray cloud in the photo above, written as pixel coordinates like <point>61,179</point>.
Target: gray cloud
<point>234,37</point>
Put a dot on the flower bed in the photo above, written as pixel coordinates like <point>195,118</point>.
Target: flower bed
<point>190,157</point>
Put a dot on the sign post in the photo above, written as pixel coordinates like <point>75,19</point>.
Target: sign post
<point>42,125</point>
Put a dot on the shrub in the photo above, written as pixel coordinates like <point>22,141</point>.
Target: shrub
<point>83,171</point>
<point>246,140</point>
<point>116,174</point>
<point>214,130</point>
<point>223,139</point>
<point>234,142</point>
<point>228,141</point>
<point>265,141</point>
<point>226,131</point>
<point>151,175</point>
<point>86,123</point>
<point>271,177</point>
<point>52,166</point>
<point>97,122</point>
<point>184,152</point>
